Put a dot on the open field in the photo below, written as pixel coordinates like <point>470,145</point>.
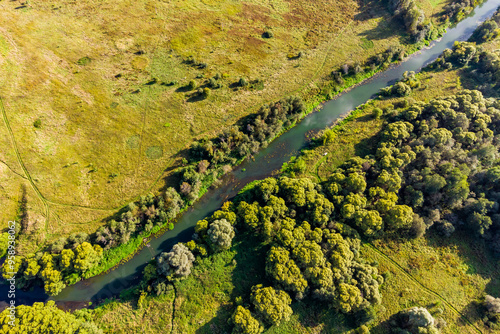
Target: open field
<point>460,269</point>
<point>95,93</point>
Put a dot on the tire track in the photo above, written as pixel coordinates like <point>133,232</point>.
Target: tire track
<point>435,294</point>
<point>23,167</point>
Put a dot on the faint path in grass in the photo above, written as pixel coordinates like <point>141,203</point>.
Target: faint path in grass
<point>21,164</point>
<point>316,167</point>
<point>398,266</point>
<point>12,170</point>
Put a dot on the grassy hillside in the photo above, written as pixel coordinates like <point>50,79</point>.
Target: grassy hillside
<point>96,103</point>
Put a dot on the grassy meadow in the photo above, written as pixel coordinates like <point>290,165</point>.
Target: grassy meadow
<point>96,108</point>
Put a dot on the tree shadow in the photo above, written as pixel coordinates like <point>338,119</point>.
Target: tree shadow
<point>370,9</point>
<point>312,313</point>
<point>183,89</point>
<point>367,146</point>
<point>250,259</point>
<point>195,97</point>
<point>480,260</point>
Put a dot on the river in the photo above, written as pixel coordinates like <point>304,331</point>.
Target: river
<point>265,163</point>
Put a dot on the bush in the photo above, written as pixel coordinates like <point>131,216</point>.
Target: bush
<point>38,123</point>
<point>377,113</point>
<point>192,84</point>
<point>268,34</point>
<point>206,92</point>
<point>242,82</point>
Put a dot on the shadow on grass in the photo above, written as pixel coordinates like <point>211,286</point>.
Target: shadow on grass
<point>183,89</point>
<point>249,270</point>
<point>370,9</point>
<point>367,146</point>
<point>195,97</point>
<point>480,260</point>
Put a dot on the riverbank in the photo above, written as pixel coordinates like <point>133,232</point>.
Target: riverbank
<point>316,122</point>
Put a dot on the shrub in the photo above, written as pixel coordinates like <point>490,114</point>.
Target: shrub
<point>268,34</point>
<point>192,84</point>
<point>242,82</point>
<point>377,113</point>
<point>205,92</point>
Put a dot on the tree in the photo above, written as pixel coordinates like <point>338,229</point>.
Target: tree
<point>355,183</point>
<point>87,256</point>
<point>220,235</point>
<point>416,319</point>
<point>266,188</point>
<point>53,283</point>
<point>397,131</point>
<point>293,191</point>
<point>67,258</point>
<point>248,214</point>
<point>272,305</point>
<point>44,319</point>
<point>242,82</point>
<point>206,92</point>
<point>348,298</point>
<point>32,267</point>
<point>401,89</point>
<point>369,221</point>
<point>173,202</point>
<point>52,278</point>
<point>485,32</point>
<point>245,323</point>
<point>377,113</point>
<point>399,216</point>
<point>492,304</point>
<point>284,271</point>
<point>309,254</point>
<point>177,263</point>
<point>191,85</point>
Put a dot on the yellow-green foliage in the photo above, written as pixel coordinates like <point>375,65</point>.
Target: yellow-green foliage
<point>104,82</point>
<point>43,318</point>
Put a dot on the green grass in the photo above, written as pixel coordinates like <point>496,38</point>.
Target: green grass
<point>91,78</point>
<point>366,44</point>
<point>460,269</point>
<point>205,301</point>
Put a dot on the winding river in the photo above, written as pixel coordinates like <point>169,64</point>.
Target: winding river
<point>265,163</point>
